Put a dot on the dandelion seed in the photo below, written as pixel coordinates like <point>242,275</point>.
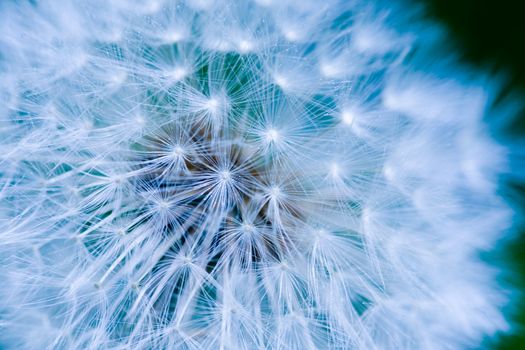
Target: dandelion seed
<point>347,117</point>
<point>178,73</point>
<point>275,192</point>
<point>173,36</point>
<point>212,105</point>
<point>335,170</point>
<point>281,81</point>
<point>245,46</point>
<point>271,135</point>
<point>178,151</point>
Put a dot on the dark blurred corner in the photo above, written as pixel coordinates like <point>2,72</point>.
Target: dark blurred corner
<point>491,35</point>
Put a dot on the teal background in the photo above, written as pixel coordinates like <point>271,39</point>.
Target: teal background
<point>491,35</point>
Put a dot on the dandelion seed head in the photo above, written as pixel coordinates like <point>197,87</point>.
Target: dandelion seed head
<point>240,175</point>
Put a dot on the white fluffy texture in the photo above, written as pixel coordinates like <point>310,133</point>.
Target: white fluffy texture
<point>238,175</point>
